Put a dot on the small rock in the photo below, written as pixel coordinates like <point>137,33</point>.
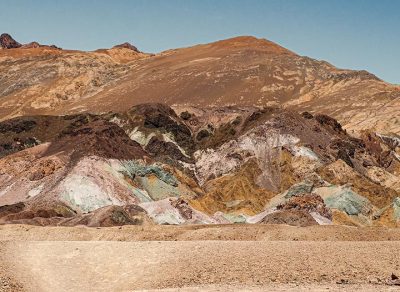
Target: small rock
<point>342,281</point>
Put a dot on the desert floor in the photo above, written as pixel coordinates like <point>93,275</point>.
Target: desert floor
<point>199,258</point>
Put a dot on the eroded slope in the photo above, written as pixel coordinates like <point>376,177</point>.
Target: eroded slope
<point>154,164</point>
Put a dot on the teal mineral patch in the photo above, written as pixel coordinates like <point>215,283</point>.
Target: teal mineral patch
<point>234,218</point>
<point>142,195</point>
<point>298,189</point>
<point>344,199</point>
<point>133,169</point>
<point>396,208</point>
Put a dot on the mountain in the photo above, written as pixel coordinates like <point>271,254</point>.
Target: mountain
<point>243,71</point>
<point>234,131</point>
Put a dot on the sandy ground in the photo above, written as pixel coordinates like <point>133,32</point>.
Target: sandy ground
<point>253,232</point>
<point>198,258</point>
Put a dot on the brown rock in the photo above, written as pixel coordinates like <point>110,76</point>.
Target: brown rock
<point>127,46</point>
<point>308,203</point>
<point>183,208</point>
<point>7,42</point>
<point>290,217</point>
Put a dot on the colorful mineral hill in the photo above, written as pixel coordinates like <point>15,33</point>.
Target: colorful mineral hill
<point>154,164</point>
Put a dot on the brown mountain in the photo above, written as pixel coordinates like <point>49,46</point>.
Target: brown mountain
<point>238,71</point>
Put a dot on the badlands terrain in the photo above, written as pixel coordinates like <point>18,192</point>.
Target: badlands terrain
<point>232,165</point>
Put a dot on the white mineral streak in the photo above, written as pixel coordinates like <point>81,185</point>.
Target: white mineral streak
<point>140,137</point>
<point>35,191</point>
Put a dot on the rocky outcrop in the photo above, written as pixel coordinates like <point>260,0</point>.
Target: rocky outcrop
<point>36,45</point>
<point>309,203</point>
<point>127,46</point>
<point>7,42</point>
<point>100,138</point>
<point>32,45</point>
<point>290,217</point>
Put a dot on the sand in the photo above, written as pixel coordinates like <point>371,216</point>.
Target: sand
<point>198,258</point>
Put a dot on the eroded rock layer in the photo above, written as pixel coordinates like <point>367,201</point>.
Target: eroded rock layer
<point>154,164</point>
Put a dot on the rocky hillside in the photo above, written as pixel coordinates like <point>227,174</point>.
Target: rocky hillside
<point>243,71</point>
<point>237,131</point>
<point>38,79</point>
<point>153,164</point>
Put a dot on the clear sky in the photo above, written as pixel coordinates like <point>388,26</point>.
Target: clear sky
<point>355,34</point>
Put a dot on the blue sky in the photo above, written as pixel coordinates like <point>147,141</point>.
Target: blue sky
<point>355,34</point>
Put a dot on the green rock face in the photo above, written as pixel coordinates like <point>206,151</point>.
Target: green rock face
<point>396,208</point>
<point>235,218</point>
<point>133,169</point>
<point>298,189</point>
<point>344,199</point>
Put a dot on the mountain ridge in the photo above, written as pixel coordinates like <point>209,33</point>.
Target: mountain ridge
<point>241,70</point>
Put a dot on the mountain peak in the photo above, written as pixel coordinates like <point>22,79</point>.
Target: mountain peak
<point>252,42</point>
<point>127,45</point>
<point>7,42</point>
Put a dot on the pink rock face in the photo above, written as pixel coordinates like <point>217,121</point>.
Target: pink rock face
<point>7,42</point>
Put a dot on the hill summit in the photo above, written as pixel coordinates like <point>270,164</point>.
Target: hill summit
<point>127,45</point>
